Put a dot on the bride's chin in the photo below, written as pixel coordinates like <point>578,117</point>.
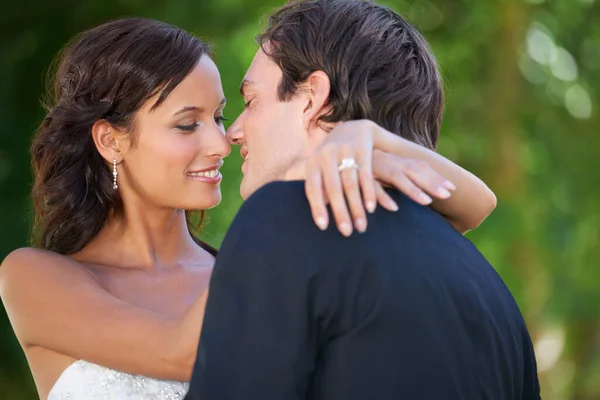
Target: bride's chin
<point>214,201</point>
<point>213,205</point>
<point>206,202</point>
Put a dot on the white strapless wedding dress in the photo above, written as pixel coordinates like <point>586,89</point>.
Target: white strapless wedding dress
<point>86,381</point>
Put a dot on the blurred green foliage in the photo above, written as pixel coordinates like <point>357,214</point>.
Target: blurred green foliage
<point>522,80</point>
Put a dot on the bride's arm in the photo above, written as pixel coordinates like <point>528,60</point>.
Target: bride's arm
<point>53,303</point>
<point>472,200</point>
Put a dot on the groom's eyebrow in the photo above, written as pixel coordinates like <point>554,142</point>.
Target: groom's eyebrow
<point>245,84</point>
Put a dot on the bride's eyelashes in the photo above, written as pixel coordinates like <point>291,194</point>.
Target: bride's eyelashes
<point>187,128</point>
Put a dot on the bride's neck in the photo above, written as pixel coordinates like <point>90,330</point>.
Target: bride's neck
<point>143,239</point>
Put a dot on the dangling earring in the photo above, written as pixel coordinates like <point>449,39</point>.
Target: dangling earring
<point>115,174</point>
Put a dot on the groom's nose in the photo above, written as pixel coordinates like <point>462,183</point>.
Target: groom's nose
<point>235,134</point>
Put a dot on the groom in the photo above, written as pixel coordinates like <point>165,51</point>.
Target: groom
<point>408,310</point>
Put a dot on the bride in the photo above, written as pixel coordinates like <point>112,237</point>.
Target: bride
<point>111,300</point>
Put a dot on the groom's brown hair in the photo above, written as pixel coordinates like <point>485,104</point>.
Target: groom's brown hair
<point>379,66</point>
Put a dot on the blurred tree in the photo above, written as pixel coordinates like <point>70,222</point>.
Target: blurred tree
<point>522,80</point>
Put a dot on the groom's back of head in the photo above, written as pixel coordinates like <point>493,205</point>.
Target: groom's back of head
<point>379,66</point>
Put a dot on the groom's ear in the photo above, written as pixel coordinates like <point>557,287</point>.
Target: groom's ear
<point>317,89</point>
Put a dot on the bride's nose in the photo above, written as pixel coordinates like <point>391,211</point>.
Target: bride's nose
<point>216,144</point>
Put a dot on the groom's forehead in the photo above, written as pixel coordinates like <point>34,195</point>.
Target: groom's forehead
<point>262,68</point>
<point>262,77</point>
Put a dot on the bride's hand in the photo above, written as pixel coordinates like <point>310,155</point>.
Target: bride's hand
<point>345,165</point>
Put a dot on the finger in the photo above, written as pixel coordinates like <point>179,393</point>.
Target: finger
<point>352,192</point>
<point>406,186</point>
<point>429,180</point>
<point>333,187</point>
<point>364,159</point>
<point>313,187</point>
<point>394,170</point>
<point>384,199</point>
<point>350,183</point>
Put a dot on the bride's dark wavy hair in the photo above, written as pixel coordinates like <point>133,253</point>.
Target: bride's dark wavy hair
<point>106,73</point>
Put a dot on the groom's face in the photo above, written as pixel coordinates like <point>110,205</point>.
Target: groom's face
<point>270,131</point>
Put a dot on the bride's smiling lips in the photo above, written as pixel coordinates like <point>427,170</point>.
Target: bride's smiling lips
<point>207,175</point>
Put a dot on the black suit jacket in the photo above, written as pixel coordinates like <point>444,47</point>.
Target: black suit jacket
<point>408,310</point>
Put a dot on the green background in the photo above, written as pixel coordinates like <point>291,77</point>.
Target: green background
<point>522,80</point>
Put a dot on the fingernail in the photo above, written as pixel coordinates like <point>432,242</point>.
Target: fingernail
<point>370,206</point>
<point>322,223</point>
<point>346,229</point>
<point>361,225</point>
<point>449,185</point>
<point>443,193</point>
<point>425,199</point>
<point>393,206</point>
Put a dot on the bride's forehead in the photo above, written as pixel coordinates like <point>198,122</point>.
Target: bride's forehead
<point>201,89</point>
<point>205,74</point>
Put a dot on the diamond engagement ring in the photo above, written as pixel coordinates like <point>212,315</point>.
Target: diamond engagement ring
<point>347,163</point>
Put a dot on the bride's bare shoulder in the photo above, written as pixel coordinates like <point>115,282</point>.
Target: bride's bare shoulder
<point>29,257</point>
<point>31,253</point>
<point>26,264</point>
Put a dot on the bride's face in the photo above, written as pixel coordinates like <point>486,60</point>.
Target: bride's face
<point>178,147</point>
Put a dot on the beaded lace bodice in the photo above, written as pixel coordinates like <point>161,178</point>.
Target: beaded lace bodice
<point>84,380</point>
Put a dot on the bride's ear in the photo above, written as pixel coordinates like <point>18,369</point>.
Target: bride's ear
<point>317,89</point>
<point>108,140</point>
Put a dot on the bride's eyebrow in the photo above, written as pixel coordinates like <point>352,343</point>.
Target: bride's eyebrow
<point>198,109</point>
<point>189,108</point>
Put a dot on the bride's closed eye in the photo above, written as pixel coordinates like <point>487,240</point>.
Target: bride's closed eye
<point>187,128</point>
<point>220,119</point>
